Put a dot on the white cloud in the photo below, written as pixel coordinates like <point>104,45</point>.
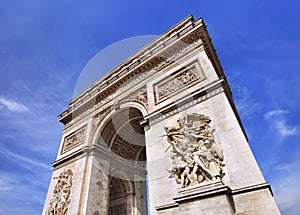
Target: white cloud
<point>285,130</point>
<point>12,105</point>
<point>272,113</point>
<point>280,124</point>
<point>23,159</point>
<point>4,185</point>
<point>15,188</point>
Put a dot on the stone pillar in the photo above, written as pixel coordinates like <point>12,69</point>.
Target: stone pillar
<point>140,197</point>
<point>97,191</point>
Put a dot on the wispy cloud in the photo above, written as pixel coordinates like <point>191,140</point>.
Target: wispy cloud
<point>272,113</point>
<point>22,158</point>
<point>246,106</point>
<point>246,103</point>
<point>286,130</point>
<point>286,188</point>
<point>12,105</point>
<point>4,184</point>
<point>15,189</point>
<point>280,123</point>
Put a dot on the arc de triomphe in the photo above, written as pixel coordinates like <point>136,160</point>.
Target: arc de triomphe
<point>159,134</point>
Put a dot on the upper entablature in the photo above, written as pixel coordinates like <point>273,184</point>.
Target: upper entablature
<point>144,54</point>
<point>166,49</point>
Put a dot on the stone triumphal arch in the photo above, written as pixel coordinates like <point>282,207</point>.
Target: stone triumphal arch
<point>159,134</point>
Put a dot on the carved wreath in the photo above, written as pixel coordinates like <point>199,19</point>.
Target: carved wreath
<point>196,157</point>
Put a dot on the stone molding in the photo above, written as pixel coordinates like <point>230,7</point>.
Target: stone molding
<point>166,206</point>
<point>185,102</point>
<point>252,188</point>
<point>202,191</point>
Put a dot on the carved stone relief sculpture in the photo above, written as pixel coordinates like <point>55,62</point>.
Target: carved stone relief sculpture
<point>61,194</point>
<point>74,139</point>
<point>139,96</point>
<point>177,82</point>
<point>196,157</point>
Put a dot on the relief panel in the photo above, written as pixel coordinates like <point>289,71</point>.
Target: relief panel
<point>196,157</point>
<point>61,194</point>
<point>74,139</point>
<point>178,81</point>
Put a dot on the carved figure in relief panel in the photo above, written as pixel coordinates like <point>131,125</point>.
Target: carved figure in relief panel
<point>196,157</point>
<point>61,194</point>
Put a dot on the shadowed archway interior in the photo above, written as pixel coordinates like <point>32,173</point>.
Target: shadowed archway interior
<point>124,138</point>
<point>124,135</point>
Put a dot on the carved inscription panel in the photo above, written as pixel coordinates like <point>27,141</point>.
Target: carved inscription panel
<point>179,81</point>
<point>74,139</point>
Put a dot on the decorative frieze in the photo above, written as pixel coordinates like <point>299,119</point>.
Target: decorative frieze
<point>196,157</point>
<point>74,139</point>
<point>156,64</point>
<point>179,81</point>
<point>61,194</point>
<point>160,62</point>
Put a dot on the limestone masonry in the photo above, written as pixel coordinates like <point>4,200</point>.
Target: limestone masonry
<point>159,134</point>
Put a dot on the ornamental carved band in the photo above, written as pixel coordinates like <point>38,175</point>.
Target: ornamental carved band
<point>61,194</point>
<point>74,139</point>
<point>196,157</point>
<point>185,77</point>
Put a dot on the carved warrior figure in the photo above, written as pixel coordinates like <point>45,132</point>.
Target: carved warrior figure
<point>195,155</point>
<point>61,194</point>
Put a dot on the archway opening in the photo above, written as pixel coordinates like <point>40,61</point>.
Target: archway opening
<point>124,138</point>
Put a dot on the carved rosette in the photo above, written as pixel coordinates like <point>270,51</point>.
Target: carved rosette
<point>61,194</point>
<point>74,139</point>
<point>196,157</point>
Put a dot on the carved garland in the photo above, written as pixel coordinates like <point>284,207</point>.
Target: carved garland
<point>61,194</point>
<point>196,157</point>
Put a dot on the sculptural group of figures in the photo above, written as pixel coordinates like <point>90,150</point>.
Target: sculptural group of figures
<point>61,194</point>
<point>196,157</point>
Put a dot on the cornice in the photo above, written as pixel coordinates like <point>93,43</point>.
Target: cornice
<point>155,54</point>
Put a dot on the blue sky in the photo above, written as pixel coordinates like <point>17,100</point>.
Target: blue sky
<point>45,45</point>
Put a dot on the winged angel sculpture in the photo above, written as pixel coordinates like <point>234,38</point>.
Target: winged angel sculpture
<point>196,157</point>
